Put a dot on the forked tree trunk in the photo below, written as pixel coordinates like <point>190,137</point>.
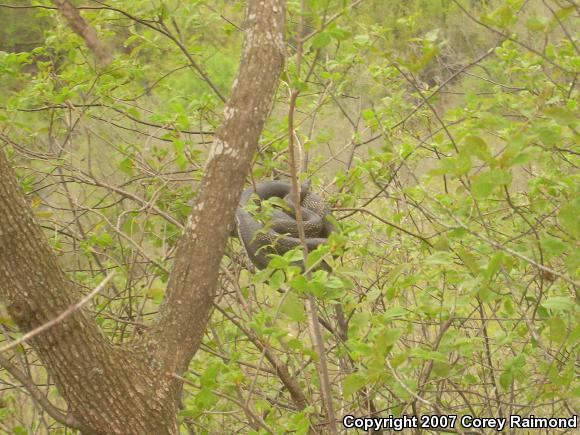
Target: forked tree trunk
<point>131,389</point>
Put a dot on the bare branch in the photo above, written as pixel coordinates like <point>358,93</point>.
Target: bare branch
<point>314,324</point>
<point>38,397</point>
<point>377,217</point>
<point>515,41</point>
<point>85,31</point>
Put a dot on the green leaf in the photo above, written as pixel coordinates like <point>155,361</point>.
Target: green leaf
<point>441,369</point>
<point>572,261</point>
<point>557,328</point>
<point>294,255</point>
<point>551,135</point>
<point>102,240</point>
<point>362,40</point>
<point>321,40</point>
<point>457,166</point>
<point>469,260</point>
<point>476,146</point>
<point>278,262</point>
<point>205,398</point>
<point>7,321</point>
<point>293,307</point>
<point>276,280</point>
<point>358,321</point>
<point>278,202</point>
<point>432,35</point>
<point>441,244</point>
<point>352,383</point>
<point>524,157</point>
<point>487,294</point>
<point>393,313</point>
<point>301,423</point>
<point>569,217</point>
<point>559,303</point>
<point>156,293</point>
<point>315,256</point>
<point>482,185</point>
<point>339,33</point>
<point>508,306</point>
<point>299,283</point>
<point>553,246</point>
<point>388,337</point>
<point>369,115</point>
<point>494,264</point>
<point>126,165</point>
<point>441,257</point>
<point>506,379</point>
<point>189,413</point>
<point>503,16</point>
<point>537,24</point>
<point>562,14</point>
<point>562,115</point>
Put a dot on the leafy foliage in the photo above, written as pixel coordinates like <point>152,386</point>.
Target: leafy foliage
<point>445,135</point>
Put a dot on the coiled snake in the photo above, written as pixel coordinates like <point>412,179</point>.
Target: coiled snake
<point>281,233</point>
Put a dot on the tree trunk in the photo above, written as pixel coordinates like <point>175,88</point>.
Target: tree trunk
<point>85,31</point>
<point>131,389</point>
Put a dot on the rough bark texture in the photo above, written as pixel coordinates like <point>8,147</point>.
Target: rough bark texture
<point>193,279</point>
<point>85,31</point>
<point>89,372</point>
<point>131,389</point>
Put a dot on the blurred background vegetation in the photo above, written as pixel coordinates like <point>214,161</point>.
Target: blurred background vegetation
<point>444,134</point>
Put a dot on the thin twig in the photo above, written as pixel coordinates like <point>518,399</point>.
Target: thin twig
<point>508,37</point>
<point>377,217</point>
<point>242,405</point>
<point>498,245</point>
<point>314,324</point>
<point>37,395</point>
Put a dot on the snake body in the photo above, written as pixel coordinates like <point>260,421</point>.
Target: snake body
<point>281,234</point>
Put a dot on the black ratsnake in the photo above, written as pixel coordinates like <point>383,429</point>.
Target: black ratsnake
<point>281,235</point>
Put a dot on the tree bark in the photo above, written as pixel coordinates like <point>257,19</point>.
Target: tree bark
<point>107,388</point>
<point>132,389</point>
<point>85,31</point>
<point>193,279</point>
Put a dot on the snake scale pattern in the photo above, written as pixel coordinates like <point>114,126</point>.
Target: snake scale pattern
<point>281,233</point>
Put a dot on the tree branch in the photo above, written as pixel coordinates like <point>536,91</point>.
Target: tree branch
<point>36,293</point>
<point>60,317</point>
<point>38,397</point>
<point>311,308</point>
<point>130,389</point>
<point>177,334</point>
<point>85,31</point>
